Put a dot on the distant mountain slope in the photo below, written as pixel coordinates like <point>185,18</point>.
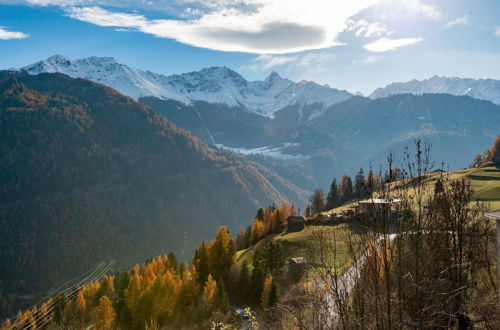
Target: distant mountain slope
<point>88,173</point>
<point>212,85</point>
<point>483,89</point>
<point>457,126</point>
<point>358,132</point>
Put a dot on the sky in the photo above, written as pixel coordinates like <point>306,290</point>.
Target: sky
<point>357,45</point>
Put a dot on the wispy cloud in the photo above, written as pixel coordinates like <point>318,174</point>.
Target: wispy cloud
<point>363,28</point>
<point>254,26</point>
<point>266,62</point>
<point>429,11</point>
<point>385,44</point>
<point>6,35</point>
<point>497,31</point>
<point>457,21</point>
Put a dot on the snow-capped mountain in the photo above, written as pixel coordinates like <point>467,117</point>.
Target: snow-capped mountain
<point>483,89</point>
<point>212,85</point>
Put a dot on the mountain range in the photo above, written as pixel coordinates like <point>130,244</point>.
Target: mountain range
<point>482,89</point>
<point>219,85</point>
<point>306,132</point>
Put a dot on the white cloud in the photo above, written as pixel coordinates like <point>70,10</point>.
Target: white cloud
<point>102,17</point>
<point>385,44</point>
<point>497,31</point>
<point>266,62</point>
<point>366,29</point>
<point>253,26</point>
<point>429,11</point>
<point>458,21</point>
<point>371,59</point>
<point>6,35</point>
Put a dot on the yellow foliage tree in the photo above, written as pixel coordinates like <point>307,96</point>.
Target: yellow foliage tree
<point>266,290</point>
<point>209,294</point>
<point>80,303</point>
<point>104,314</point>
<point>257,231</point>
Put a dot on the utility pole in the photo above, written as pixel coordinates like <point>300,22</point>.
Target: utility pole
<point>496,216</point>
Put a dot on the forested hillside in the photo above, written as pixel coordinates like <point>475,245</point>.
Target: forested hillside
<point>88,173</point>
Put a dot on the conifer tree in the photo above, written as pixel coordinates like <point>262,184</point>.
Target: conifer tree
<point>370,183</point>
<point>221,253</point>
<point>293,209</point>
<point>359,184</point>
<point>273,294</point>
<point>495,152</point>
<point>260,214</point>
<point>266,290</point>
<point>80,303</point>
<point>346,188</point>
<point>258,276</point>
<point>200,261</point>
<point>209,294</point>
<point>317,201</point>
<point>333,197</point>
<point>222,297</point>
<point>257,231</point>
<point>243,282</point>
<point>104,314</point>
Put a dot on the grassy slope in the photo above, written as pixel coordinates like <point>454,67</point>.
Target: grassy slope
<point>295,244</point>
<point>485,182</point>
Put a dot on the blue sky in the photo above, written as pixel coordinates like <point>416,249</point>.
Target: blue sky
<point>356,45</point>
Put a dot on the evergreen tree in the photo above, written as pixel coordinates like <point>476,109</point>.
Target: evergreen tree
<point>257,278</point>
<point>222,297</point>
<point>370,183</point>
<point>333,197</point>
<point>346,188</point>
<point>359,185</point>
<point>273,294</point>
<point>241,240</point>
<point>200,261</point>
<point>307,211</point>
<point>243,282</point>
<point>260,214</point>
<point>172,262</point>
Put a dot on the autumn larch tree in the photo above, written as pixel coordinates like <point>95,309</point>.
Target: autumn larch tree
<point>317,201</point>
<point>104,314</point>
<point>495,152</point>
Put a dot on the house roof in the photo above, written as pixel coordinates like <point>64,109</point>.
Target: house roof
<point>299,260</point>
<point>380,201</point>
<point>295,218</point>
<point>494,214</point>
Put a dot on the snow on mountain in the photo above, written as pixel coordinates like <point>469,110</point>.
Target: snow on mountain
<point>212,85</point>
<point>483,89</point>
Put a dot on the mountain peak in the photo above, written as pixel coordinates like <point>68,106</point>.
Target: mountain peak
<point>483,89</point>
<point>273,76</point>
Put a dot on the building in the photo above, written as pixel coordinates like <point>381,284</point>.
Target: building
<point>297,267</point>
<point>295,223</point>
<point>496,216</point>
<point>376,204</point>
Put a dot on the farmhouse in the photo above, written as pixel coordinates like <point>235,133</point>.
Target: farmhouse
<point>376,204</point>
<point>295,223</point>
